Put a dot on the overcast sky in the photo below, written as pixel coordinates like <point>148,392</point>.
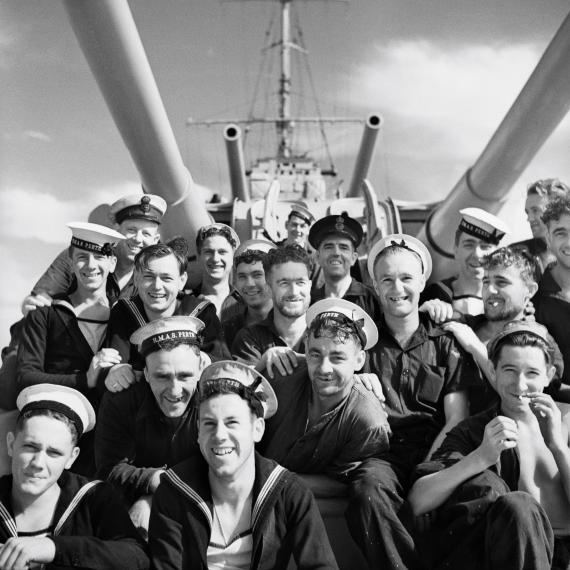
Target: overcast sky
<point>442,73</point>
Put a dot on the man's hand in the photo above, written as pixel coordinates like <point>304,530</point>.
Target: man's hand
<point>105,358</point>
<point>549,419</point>
<point>371,382</point>
<point>32,302</point>
<point>19,553</point>
<point>500,433</point>
<point>140,514</point>
<point>438,310</point>
<point>121,376</point>
<point>282,358</point>
<point>465,336</point>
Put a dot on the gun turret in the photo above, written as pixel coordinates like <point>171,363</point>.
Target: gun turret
<point>364,157</point>
<point>234,149</point>
<point>540,106</point>
<point>112,46</point>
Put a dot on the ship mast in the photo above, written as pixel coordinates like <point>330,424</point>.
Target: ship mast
<point>284,125</point>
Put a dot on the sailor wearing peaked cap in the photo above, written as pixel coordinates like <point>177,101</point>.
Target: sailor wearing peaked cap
<point>63,399</point>
<point>300,210</point>
<point>261,245</point>
<point>348,314</point>
<point>138,206</point>
<point>241,379</point>
<point>94,237</point>
<point>177,329</point>
<point>482,225</point>
<point>407,242</point>
<point>342,225</point>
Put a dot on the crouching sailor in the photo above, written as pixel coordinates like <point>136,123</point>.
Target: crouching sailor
<point>49,517</point>
<point>230,507</point>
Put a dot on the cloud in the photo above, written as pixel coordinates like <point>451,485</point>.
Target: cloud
<point>37,135</point>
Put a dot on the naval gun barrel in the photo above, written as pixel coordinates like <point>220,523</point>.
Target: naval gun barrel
<point>112,46</point>
<point>234,149</point>
<point>540,106</point>
<point>364,157</point>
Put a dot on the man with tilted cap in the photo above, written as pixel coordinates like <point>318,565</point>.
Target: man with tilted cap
<point>478,234</point>
<point>297,225</point>
<point>137,217</point>
<point>498,488</point>
<point>61,344</point>
<point>152,425</point>
<point>327,422</point>
<point>425,376</point>
<point>49,517</point>
<point>336,239</point>
<point>231,507</point>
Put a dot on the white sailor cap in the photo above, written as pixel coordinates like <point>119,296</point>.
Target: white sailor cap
<point>94,237</point>
<point>63,399</point>
<point>405,241</point>
<point>301,210</point>
<point>241,379</point>
<point>180,328</point>
<point>217,229</point>
<point>261,245</point>
<point>483,225</point>
<point>140,207</point>
<point>350,314</point>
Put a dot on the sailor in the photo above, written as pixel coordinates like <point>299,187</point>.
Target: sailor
<point>297,225</point>
<point>425,375</point>
<point>538,195</point>
<point>278,340</point>
<point>231,507</point>
<point>50,516</point>
<point>497,488</point>
<point>152,425</point>
<point>62,343</point>
<point>249,282</point>
<point>216,245</point>
<point>336,239</point>
<point>478,234</point>
<point>137,217</point>
<point>160,276</point>
<point>552,300</point>
<point>327,422</point>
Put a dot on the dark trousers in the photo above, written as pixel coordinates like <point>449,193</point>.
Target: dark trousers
<point>485,525</point>
<point>378,516</point>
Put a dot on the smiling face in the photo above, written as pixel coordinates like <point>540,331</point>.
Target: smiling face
<point>297,230</point>
<point>40,450</point>
<point>331,365</point>
<point>172,376</point>
<point>520,370</point>
<point>249,280</point>
<point>139,234</point>
<point>558,238</point>
<point>227,433</point>
<point>159,283</point>
<point>534,208</point>
<point>469,252</point>
<point>290,288</point>
<point>216,258</point>
<point>91,269</point>
<point>399,280</point>
<point>336,256</point>
<point>505,293</point>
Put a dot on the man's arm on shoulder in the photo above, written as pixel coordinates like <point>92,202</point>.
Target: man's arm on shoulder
<point>57,278</point>
<point>114,544</point>
<point>245,347</point>
<point>459,459</point>
<point>115,446</point>
<point>305,527</point>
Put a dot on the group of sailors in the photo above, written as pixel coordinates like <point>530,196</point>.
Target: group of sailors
<point>168,427</point>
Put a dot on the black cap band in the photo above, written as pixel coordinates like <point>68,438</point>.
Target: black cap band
<point>493,237</point>
<point>56,407</point>
<point>154,342</point>
<point>105,249</point>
